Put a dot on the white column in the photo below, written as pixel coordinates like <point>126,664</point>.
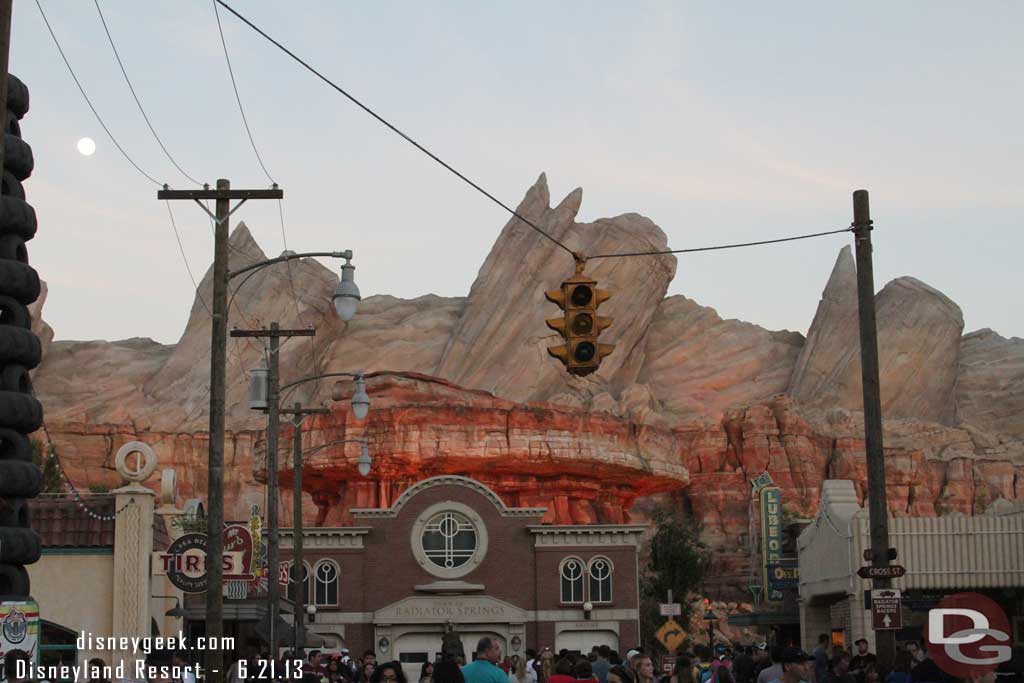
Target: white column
<point>133,548</point>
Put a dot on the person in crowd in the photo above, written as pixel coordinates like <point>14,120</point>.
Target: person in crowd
<point>923,668</point>
<point>520,674</point>
<point>617,674</point>
<point>743,665</point>
<point>448,671</point>
<point>721,666</point>
<point>532,663</point>
<point>601,663</point>
<point>485,668</point>
<point>427,672</point>
<point>366,675</point>
<point>644,669</point>
<point>583,671</point>
<point>95,671</point>
<point>562,671</point>
<point>871,675</point>
<point>702,671</point>
<point>682,672</point>
<point>772,668</point>
<point>821,658</point>
<point>795,667</point>
<point>388,672</point>
<point>369,659</point>
<point>839,671</point>
<point>862,660</point>
<point>615,659</point>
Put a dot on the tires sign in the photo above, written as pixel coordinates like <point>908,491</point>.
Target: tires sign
<point>19,630</point>
<point>185,563</point>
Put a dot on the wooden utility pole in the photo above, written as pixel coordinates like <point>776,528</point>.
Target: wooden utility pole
<point>878,510</point>
<point>273,427</point>
<point>214,658</point>
<point>298,561</point>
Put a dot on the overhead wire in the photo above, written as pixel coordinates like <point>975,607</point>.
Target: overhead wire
<point>266,172</point>
<point>720,246</point>
<point>131,88</point>
<point>395,129</point>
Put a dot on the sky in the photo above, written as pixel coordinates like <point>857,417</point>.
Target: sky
<point>722,122</point>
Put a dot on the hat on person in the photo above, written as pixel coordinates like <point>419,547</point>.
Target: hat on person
<point>631,654</point>
<point>762,646</point>
<point>860,640</point>
<point>792,655</point>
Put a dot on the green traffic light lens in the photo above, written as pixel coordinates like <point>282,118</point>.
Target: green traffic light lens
<point>582,324</point>
<point>582,295</point>
<point>584,352</point>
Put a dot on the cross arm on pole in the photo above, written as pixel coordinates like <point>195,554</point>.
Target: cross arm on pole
<point>308,332</point>
<point>166,193</point>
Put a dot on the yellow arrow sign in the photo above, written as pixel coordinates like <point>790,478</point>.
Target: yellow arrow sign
<point>671,634</point>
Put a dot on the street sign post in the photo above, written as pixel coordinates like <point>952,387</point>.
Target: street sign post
<point>670,609</point>
<point>886,609</point>
<point>870,556</point>
<point>671,635</point>
<point>892,571</point>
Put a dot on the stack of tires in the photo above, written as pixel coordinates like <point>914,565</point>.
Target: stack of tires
<point>20,351</point>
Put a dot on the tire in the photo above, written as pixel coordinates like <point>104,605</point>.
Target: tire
<point>17,96</point>
<point>19,280</point>
<point>14,512</point>
<point>14,582</point>
<point>13,127</point>
<point>15,378</point>
<point>19,545</point>
<point>20,479</point>
<point>12,247</point>
<point>11,186</point>
<point>14,446</point>
<point>17,217</point>
<point>13,312</point>
<point>18,157</point>
<point>20,411</point>
<point>20,346</point>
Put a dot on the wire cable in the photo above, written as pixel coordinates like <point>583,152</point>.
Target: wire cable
<point>184,258</point>
<point>394,129</point>
<point>721,246</point>
<point>136,97</point>
<point>89,102</point>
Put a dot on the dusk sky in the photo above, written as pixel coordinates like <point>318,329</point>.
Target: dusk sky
<point>722,122</point>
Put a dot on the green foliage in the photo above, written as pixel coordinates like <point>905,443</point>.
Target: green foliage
<point>99,488</point>
<point>51,473</point>
<point>676,560</point>
<point>190,524</point>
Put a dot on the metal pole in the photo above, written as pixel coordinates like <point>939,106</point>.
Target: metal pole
<point>273,427</point>
<point>878,512</point>
<point>215,481</point>
<point>300,594</point>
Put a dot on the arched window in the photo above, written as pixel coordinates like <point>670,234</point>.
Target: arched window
<point>326,577</point>
<point>293,580</point>
<point>600,572</point>
<point>571,572</point>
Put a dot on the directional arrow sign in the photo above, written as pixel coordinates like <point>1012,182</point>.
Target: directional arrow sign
<point>893,571</point>
<point>886,609</point>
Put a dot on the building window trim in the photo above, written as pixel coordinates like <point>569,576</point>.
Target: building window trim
<point>328,583</point>
<point>419,527</point>
<point>306,581</point>
<point>575,594</point>
<point>601,598</point>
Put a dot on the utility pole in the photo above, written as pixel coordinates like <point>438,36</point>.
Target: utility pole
<point>878,510</point>
<point>297,556</point>
<point>218,369</point>
<point>273,427</point>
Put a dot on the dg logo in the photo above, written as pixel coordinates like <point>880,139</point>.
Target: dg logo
<point>968,635</point>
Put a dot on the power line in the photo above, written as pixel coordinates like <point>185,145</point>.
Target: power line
<point>185,258</point>
<point>136,97</point>
<point>89,102</point>
<point>721,246</point>
<point>394,129</point>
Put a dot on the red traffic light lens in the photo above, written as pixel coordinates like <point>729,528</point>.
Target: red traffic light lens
<point>582,323</point>
<point>584,352</point>
<point>581,295</point>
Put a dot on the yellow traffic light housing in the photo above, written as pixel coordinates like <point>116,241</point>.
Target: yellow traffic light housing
<point>579,324</point>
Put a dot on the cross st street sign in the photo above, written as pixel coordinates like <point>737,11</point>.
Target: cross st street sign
<point>886,610</point>
<point>893,571</point>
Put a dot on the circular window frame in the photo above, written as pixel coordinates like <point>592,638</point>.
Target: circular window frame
<point>416,540</point>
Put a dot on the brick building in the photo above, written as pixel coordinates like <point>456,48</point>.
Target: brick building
<point>449,550</point>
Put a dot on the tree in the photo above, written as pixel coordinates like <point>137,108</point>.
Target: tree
<point>676,560</point>
<point>51,472</point>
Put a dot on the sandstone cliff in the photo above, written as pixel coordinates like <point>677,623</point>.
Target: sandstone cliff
<point>688,401</point>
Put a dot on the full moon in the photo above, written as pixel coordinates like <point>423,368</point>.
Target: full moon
<point>86,147</point>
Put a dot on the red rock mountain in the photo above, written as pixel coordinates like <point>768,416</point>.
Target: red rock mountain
<point>689,404</point>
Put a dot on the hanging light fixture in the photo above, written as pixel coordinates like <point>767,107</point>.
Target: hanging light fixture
<point>360,399</point>
<point>258,387</point>
<point>364,463</point>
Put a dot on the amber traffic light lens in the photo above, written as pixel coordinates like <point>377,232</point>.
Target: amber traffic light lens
<point>584,352</point>
<point>582,324</point>
<point>582,295</point>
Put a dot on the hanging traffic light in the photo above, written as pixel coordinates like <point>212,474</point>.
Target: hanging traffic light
<point>579,325</point>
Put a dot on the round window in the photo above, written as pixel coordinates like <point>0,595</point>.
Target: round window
<point>449,539</point>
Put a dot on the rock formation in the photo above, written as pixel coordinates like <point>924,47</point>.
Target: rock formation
<point>688,402</point>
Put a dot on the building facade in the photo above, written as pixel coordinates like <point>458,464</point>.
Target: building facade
<point>942,555</point>
<point>449,551</point>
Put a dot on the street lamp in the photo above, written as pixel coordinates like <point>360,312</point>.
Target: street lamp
<point>346,294</point>
<point>364,463</point>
